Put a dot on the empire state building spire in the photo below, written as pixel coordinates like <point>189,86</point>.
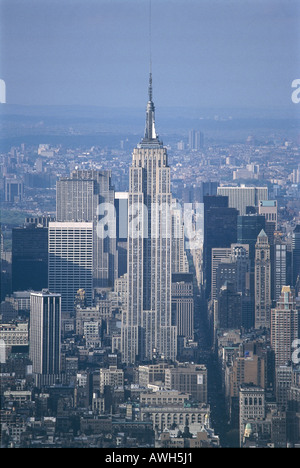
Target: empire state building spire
<point>150,132</point>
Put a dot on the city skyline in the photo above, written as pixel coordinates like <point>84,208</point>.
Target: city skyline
<point>150,286</point>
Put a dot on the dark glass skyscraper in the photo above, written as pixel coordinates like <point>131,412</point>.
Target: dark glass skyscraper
<point>45,336</point>
<point>248,228</point>
<point>220,230</point>
<point>29,258</point>
<point>228,313</point>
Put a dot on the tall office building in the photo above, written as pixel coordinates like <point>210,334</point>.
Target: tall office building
<point>183,304</point>
<point>233,265</point>
<point>29,258</point>
<point>195,193</point>
<point>196,140</point>
<point>279,267</point>
<point>220,230</point>
<point>228,308</point>
<point>70,264</point>
<point>284,326</point>
<point>179,258</point>
<point>248,228</point>
<point>262,282</point>
<point>88,196</point>
<point>121,207</point>
<point>283,384</point>
<point>146,326</point>
<point>218,255</point>
<point>296,254</point>
<point>240,255</point>
<point>295,175</point>
<point>14,190</point>
<point>269,209</point>
<point>45,336</point>
<point>242,197</point>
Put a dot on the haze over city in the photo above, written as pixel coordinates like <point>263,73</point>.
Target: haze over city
<point>209,54</point>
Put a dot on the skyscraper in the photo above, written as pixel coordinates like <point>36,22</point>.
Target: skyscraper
<point>87,196</point>
<point>70,265</point>
<point>242,197</point>
<point>279,267</point>
<point>147,329</point>
<point>228,308</point>
<point>29,258</point>
<point>217,256</point>
<point>296,254</point>
<point>262,281</point>
<point>284,326</point>
<point>179,259</point>
<point>45,335</point>
<point>220,230</point>
<point>240,254</point>
<point>121,207</point>
<point>14,189</point>
<point>196,140</point>
<point>233,266</point>
<point>183,304</point>
<point>269,209</point>
<point>248,228</point>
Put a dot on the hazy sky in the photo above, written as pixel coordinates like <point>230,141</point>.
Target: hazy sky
<point>205,53</point>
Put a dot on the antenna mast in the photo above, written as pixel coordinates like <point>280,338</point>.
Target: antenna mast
<point>150,34</point>
<point>150,133</point>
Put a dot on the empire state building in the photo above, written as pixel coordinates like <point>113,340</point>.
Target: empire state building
<point>147,329</point>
